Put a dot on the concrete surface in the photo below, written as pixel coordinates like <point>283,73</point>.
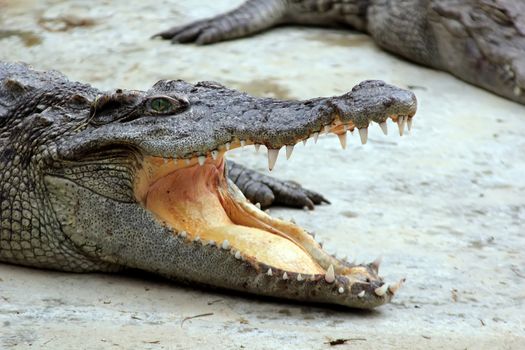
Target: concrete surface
<point>445,206</point>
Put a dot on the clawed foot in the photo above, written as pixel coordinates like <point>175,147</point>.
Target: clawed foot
<point>250,18</point>
<point>201,32</point>
<point>268,191</point>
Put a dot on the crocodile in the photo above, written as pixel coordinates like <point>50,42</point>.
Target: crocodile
<point>106,181</point>
<point>479,41</point>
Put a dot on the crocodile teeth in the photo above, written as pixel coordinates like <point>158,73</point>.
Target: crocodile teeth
<point>300,278</point>
<point>272,157</point>
<point>285,276</point>
<point>187,161</point>
<point>384,128</point>
<point>327,129</point>
<point>375,264</point>
<point>345,127</point>
<point>401,125</point>
<point>214,154</point>
<point>289,150</point>
<point>225,244</point>
<point>304,141</point>
<point>227,145</point>
<point>238,255</point>
<point>363,133</point>
<point>394,287</point>
<point>270,272</point>
<point>257,146</point>
<point>380,291</point>
<point>316,136</point>
<point>258,205</point>
<point>341,290</point>
<point>196,239</point>
<point>243,143</point>
<point>342,140</point>
<point>517,91</point>
<point>183,234</point>
<point>202,159</point>
<point>409,124</point>
<point>361,294</point>
<point>330,274</point>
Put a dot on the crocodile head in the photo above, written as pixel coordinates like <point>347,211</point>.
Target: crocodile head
<point>137,179</point>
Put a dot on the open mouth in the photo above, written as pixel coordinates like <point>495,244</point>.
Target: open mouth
<point>194,198</point>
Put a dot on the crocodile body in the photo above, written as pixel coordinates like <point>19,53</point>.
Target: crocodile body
<point>104,181</point>
<point>479,41</point>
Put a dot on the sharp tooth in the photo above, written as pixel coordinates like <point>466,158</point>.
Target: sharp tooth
<point>272,157</point>
<point>380,291</point>
<point>345,127</point>
<point>394,287</point>
<point>300,278</point>
<point>214,154</point>
<point>304,141</point>
<point>363,133</point>
<point>330,274</point>
<point>327,129</point>
<point>238,255</point>
<point>243,143</point>
<point>517,91</point>
<point>316,136</point>
<point>341,290</point>
<point>270,272</point>
<point>175,161</point>
<point>401,125</point>
<point>292,220</point>
<point>183,234</point>
<point>225,244</point>
<point>187,161</point>
<point>285,276</point>
<point>289,150</point>
<point>196,239</point>
<point>258,205</point>
<point>257,146</point>
<point>409,123</point>
<point>361,294</point>
<point>375,264</point>
<point>165,160</point>
<point>384,128</point>
<point>227,145</point>
<point>211,243</point>
<point>342,140</point>
<point>202,159</point>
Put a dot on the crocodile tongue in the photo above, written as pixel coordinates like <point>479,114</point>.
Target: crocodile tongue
<point>197,200</point>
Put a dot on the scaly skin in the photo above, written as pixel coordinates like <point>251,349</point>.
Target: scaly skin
<point>479,41</point>
<point>83,174</point>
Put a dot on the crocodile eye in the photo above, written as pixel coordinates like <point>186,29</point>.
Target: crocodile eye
<point>161,105</point>
<point>167,105</point>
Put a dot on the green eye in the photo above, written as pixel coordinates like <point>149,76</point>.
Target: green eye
<point>161,105</point>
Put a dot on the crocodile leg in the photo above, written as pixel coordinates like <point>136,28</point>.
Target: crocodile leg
<point>251,17</point>
<point>267,191</point>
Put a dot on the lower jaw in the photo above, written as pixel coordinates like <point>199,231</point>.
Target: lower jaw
<point>257,253</point>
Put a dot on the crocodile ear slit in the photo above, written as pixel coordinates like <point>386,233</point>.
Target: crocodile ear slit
<point>104,106</point>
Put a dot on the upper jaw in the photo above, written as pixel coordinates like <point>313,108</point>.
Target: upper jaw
<point>219,119</point>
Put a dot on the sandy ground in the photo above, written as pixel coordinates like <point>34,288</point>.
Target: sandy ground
<point>445,206</point>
